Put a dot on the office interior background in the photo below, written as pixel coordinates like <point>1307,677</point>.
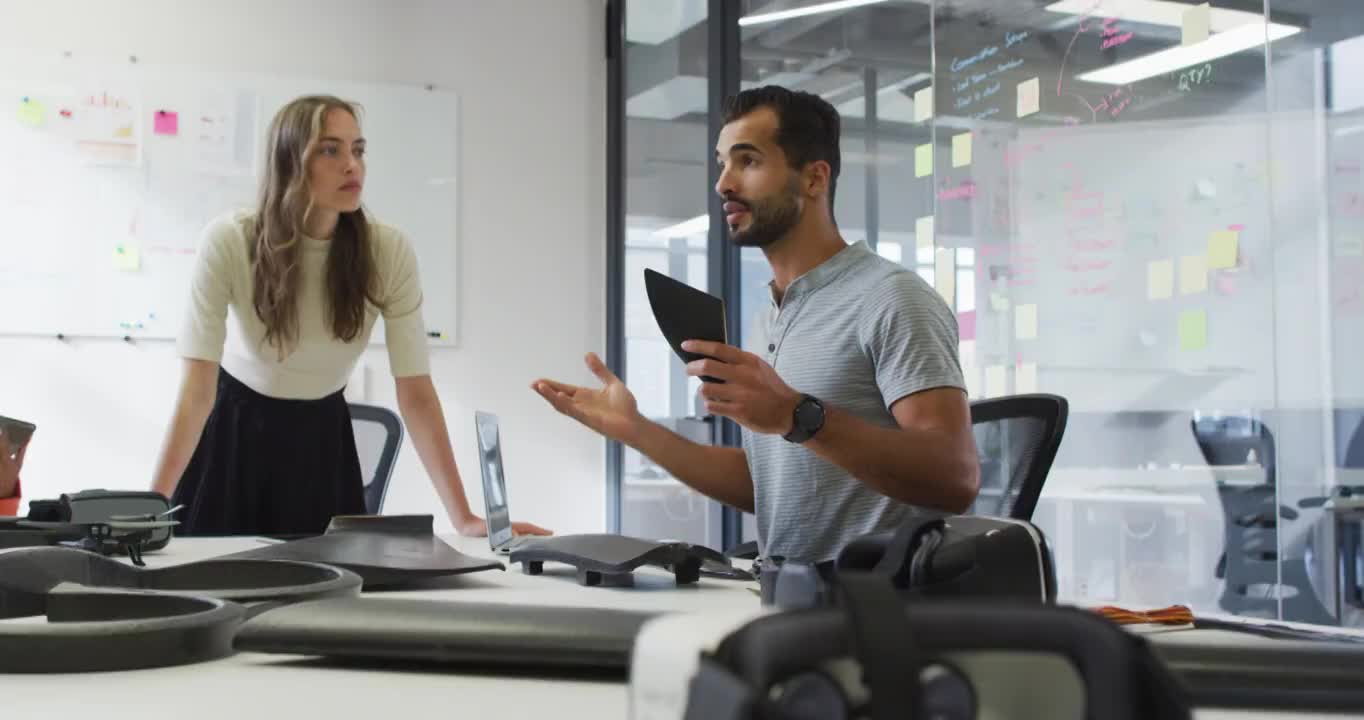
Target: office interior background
<point>1167,235</point>
<point>1170,236</point>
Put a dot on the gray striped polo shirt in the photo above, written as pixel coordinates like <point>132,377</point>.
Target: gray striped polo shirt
<point>858,332</point>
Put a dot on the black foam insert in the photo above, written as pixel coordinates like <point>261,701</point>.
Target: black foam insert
<point>384,550</point>
<point>460,634</point>
<point>602,558</point>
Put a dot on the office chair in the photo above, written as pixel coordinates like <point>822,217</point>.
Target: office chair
<point>1251,536</point>
<point>1017,438</point>
<point>378,434</point>
<point>1354,451</point>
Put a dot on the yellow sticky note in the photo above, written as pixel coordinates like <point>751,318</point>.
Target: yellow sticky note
<point>923,104</point>
<point>1160,280</point>
<point>1196,25</point>
<point>1025,322</point>
<point>1349,244</point>
<point>999,302</point>
<point>961,149</point>
<point>923,231</point>
<point>945,275</point>
<point>1029,97</point>
<point>1193,330</point>
<point>32,113</point>
<point>996,381</point>
<point>127,258</point>
<point>1222,248</point>
<point>1193,274</point>
<point>923,160</point>
<point>1025,378</point>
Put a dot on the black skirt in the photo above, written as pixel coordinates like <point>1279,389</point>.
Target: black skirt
<point>268,466</point>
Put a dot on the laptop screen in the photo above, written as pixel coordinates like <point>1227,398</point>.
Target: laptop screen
<point>494,484</point>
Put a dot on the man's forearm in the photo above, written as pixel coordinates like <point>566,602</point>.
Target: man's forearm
<point>927,468</point>
<point>720,473</point>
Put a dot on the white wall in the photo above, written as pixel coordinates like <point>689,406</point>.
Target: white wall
<point>531,75</point>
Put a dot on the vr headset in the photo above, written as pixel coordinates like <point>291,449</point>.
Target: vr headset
<point>961,556</point>
<point>104,521</point>
<point>878,656</point>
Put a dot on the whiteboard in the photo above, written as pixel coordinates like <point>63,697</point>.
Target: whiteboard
<point>113,168</point>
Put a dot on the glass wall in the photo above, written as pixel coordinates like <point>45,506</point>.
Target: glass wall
<point>666,196</point>
<point>1152,208</point>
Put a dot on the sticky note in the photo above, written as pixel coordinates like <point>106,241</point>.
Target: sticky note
<point>923,160</point>
<point>1025,322</point>
<point>961,149</point>
<point>923,231</point>
<point>996,381</point>
<point>127,258</point>
<point>999,302</point>
<point>1349,244</point>
<point>1196,24</point>
<point>1193,330</point>
<point>1160,280</point>
<point>923,104</point>
<point>1222,248</point>
<point>1193,274</point>
<point>1029,97</point>
<point>32,113</point>
<point>945,275</point>
<point>1206,188</point>
<point>966,326</point>
<point>1025,378</point>
<point>166,123</point>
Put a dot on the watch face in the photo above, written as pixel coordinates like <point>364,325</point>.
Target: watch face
<point>809,415</point>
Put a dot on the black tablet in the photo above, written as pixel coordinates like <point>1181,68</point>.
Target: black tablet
<point>685,313</point>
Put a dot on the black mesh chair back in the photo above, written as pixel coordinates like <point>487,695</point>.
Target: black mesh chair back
<point>1016,438</point>
<point>378,435</point>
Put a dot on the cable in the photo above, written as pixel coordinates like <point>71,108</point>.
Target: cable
<point>1173,615</point>
<point>1182,615</point>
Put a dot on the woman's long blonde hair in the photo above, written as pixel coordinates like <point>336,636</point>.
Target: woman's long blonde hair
<point>285,199</point>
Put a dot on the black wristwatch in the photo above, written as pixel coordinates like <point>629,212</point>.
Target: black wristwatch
<point>808,419</point>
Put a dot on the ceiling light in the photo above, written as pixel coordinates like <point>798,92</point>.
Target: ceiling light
<point>1153,12</point>
<point>686,228</point>
<point>1230,42</point>
<point>803,11</point>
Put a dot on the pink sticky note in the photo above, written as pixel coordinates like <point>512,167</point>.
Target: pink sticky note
<point>966,325</point>
<point>167,122</point>
<point>1226,285</point>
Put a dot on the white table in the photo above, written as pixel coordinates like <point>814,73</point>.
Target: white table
<point>255,686</point>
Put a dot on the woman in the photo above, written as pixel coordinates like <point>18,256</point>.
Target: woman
<point>261,440</point>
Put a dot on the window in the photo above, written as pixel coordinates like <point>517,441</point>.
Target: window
<point>1161,222</point>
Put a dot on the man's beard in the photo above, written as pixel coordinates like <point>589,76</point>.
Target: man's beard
<point>770,220</point>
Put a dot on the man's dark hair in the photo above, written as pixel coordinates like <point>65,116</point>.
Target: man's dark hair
<point>807,126</point>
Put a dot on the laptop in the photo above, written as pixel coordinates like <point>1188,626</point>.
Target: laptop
<point>500,536</point>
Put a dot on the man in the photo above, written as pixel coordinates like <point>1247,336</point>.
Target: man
<point>853,409</point>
